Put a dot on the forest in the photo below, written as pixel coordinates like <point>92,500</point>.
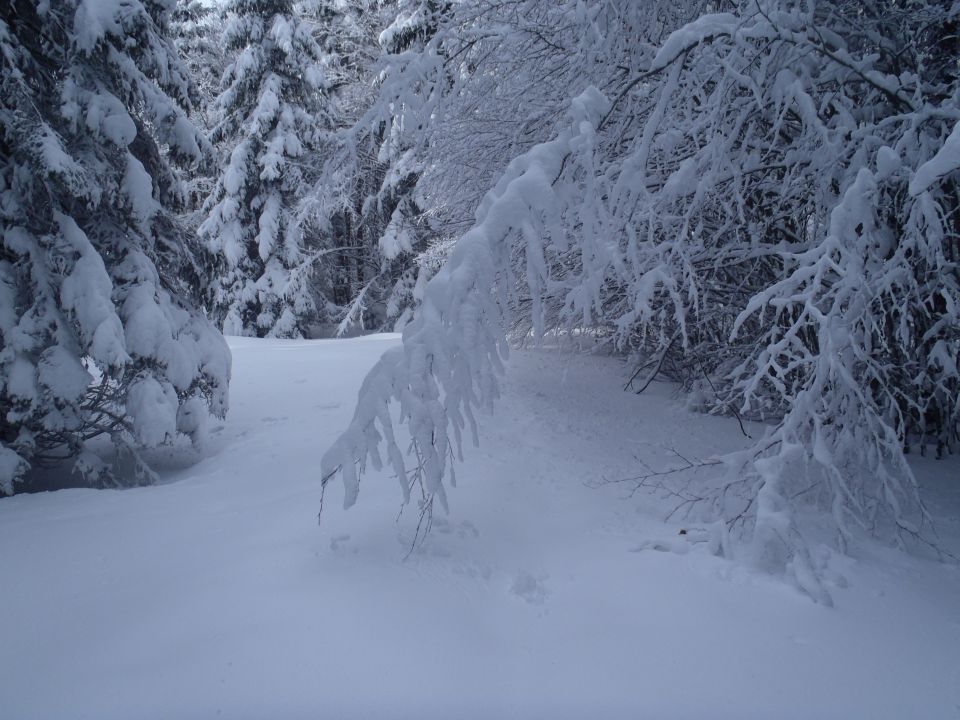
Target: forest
<point>705,251</point>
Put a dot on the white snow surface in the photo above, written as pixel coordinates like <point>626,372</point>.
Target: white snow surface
<point>216,593</point>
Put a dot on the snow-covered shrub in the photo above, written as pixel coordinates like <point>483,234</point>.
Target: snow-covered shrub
<point>804,263</point>
<point>100,326</point>
<point>767,202</point>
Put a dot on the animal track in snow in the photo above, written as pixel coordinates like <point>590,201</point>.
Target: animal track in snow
<point>338,540</point>
<point>530,588</point>
<point>461,529</point>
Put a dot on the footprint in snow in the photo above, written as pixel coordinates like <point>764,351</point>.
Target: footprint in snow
<point>338,540</point>
<point>474,571</point>
<point>461,529</point>
<point>530,588</point>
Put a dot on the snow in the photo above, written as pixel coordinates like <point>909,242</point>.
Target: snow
<point>946,161</point>
<point>701,29</point>
<point>888,162</point>
<point>87,293</point>
<point>396,240</point>
<point>106,114</point>
<point>22,379</point>
<point>138,187</point>
<point>410,18</point>
<point>153,410</point>
<point>60,372</point>
<point>11,466</point>
<point>98,18</point>
<point>541,594</point>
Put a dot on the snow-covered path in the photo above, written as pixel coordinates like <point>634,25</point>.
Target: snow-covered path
<point>216,594</point>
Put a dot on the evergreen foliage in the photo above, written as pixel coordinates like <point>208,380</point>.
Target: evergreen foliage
<point>101,331</point>
<point>271,116</point>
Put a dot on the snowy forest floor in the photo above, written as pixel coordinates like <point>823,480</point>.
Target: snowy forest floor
<point>216,593</point>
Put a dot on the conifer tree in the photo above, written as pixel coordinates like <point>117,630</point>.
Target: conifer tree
<point>365,203</point>
<point>100,331</point>
<point>197,29</point>
<point>271,116</point>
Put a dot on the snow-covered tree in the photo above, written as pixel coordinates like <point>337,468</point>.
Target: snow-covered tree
<point>271,115</point>
<point>481,69</point>
<point>463,88</point>
<point>363,205</point>
<point>101,332</point>
<point>762,200</point>
<point>197,30</point>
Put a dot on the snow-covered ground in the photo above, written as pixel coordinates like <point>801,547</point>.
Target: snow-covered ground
<point>216,594</point>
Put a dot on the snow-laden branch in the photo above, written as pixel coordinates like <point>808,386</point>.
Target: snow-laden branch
<point>766,212</point>
<point>452,350</point>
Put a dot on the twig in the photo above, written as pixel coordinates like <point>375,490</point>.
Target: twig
<point>733,409</point>
<point>323,489</point>
<point>656,371</point>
